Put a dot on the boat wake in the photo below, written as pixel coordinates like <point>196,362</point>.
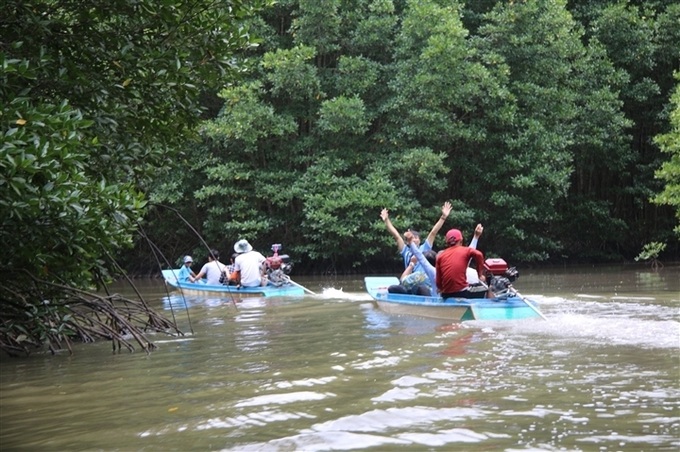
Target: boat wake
<point>603,321</point>
<point>340,295</point>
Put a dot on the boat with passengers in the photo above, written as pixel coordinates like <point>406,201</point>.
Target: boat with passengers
<point>507,303</point>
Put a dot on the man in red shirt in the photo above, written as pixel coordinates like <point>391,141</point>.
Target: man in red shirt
<point>451,266</point>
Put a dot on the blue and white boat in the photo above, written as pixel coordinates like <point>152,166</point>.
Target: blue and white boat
<point>509,307</point>
<point>288,289</point>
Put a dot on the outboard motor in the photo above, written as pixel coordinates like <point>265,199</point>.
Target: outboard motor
<point>499,276</point>
<point>277,267</point>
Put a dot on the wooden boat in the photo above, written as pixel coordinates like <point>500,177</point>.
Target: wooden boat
<point>512,307</point>
<point>289,289</point>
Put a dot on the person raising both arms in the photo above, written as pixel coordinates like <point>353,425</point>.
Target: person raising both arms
<point>429,259</point>
<point>212,270</point>
<point>451,266</point>
<point>429,241</point>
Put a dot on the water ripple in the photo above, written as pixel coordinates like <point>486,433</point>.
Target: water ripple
<point>281,399</point>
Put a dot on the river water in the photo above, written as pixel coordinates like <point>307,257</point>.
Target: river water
<point>332,372</point>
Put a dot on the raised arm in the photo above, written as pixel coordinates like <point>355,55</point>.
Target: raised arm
<point>478,233</point>
<point>428,268</point>
<point>385,215</point>
<point>417,254</point>
<point>446,210</point>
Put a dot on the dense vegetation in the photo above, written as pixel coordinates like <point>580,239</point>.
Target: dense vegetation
<point>536,118</point>
<point>551,122</point>
<point>95,98</point>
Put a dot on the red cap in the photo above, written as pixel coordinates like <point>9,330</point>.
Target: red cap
<point>453,236</point>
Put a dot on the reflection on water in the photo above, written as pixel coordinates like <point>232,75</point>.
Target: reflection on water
<point>332,372</point>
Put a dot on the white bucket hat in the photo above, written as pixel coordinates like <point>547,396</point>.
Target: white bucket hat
<point>242,246</point>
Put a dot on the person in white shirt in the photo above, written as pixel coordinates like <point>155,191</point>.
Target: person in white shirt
<point>212,270</point>
<point>248,264</point>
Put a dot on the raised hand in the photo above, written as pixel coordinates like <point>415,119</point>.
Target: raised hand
<point>478,230</point>
<point>446,209</point>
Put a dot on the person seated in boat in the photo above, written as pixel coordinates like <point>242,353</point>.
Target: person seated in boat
<point>428,261</point>
<point>451,268</point>
<point>230,276</point>
<point>248,264</point>
<point>186,272</point>
<point>212,270</point>
<point>429,241</point>
<point>417,282</point>
<point>413,282</point>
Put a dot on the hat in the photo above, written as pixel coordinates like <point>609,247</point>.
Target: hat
<point>188,259</point>
<point>242,246</point>
<point>453,236</point>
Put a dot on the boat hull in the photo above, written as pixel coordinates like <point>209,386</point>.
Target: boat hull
<point>454,309</point>
<point>205,290</point>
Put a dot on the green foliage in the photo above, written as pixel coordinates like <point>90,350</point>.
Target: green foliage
<point>290,74</point>
<point>318,25</point>
<point>628,34</point>
<point>530,120</point>
<point>263,176</point>
<point>670,169</point>
<point>245,119</point>
<point>373,31</point>
<point>667,34</point>
<point>347,220</point>
<point>637,39</point>
<point>499,105</point>
<point>51,205</point>
<point>356,75</point>
<point>343,115</point>
<point>95,98</point>
<point>651,252</point>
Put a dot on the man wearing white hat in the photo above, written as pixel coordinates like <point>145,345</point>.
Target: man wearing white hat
<point>248,264</point>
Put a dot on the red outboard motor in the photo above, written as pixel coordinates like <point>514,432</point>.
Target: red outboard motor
<point>498,276</point>
<point>495,266</point>
<point>278,266</point>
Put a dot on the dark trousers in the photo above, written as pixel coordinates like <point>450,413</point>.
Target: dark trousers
<point>417,290</point>
<point>465,294</point>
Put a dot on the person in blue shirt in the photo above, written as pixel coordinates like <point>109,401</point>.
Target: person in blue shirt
<point>429,241</point>
<point>428,259</point>
<point>186,273</point>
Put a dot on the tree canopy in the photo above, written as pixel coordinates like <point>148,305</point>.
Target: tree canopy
<point>530,116</point>
<point>670,170</point>
<point>95,98</point>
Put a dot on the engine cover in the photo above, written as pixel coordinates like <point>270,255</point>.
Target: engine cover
<point>496,266</point>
